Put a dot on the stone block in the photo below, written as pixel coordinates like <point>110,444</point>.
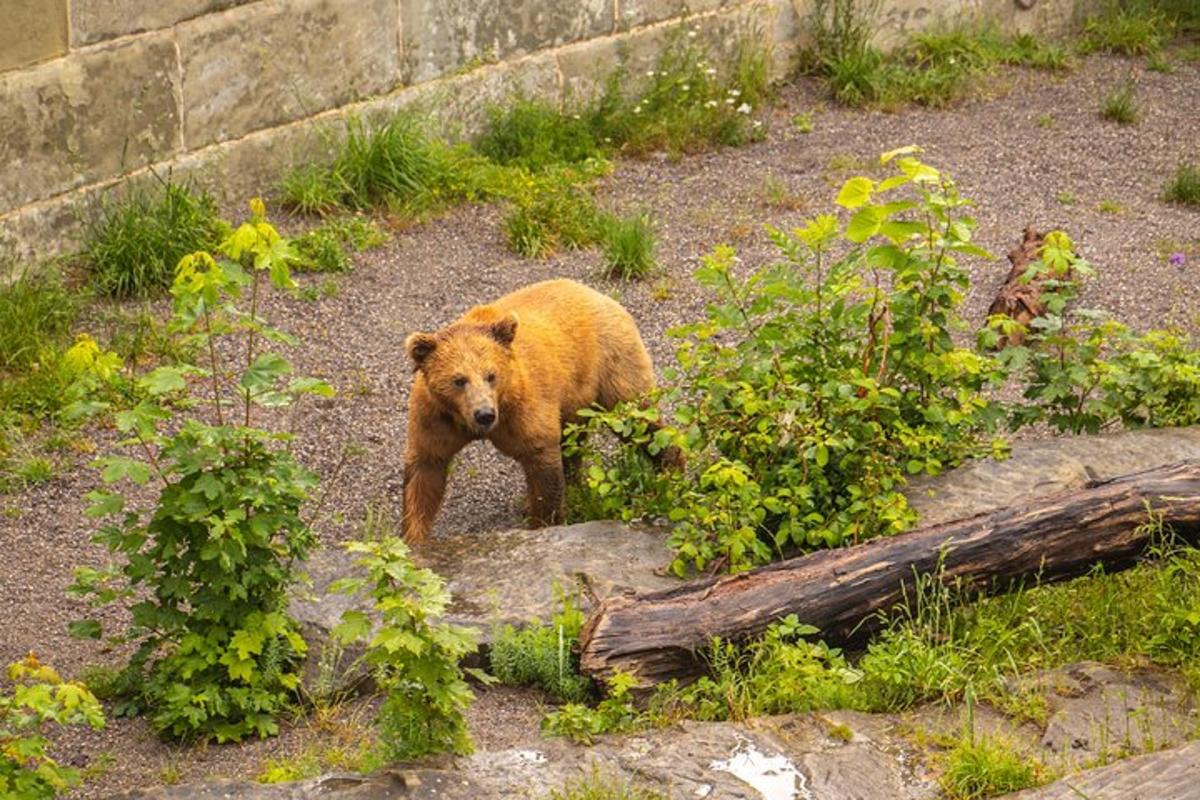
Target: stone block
<point>86,118</point>
<point>441,36</point>
<point>96,20</point>
<point>458,105</point>
<point>32,31</point>
<point>266,64</point>
<point>634,13</point>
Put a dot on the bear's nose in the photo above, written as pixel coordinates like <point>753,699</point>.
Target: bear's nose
<point>485,417</point>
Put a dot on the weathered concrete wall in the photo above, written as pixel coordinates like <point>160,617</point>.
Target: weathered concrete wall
<point>94,92</point>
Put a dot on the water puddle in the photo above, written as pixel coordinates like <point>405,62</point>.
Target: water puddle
<point>773,777</point>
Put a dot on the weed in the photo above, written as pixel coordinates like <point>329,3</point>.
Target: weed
<point>133,243</point>
<point>36,313</point>
<point>310,190</point>
<point>1066,197</point>
<point>776,194</point>
<point>35,470</point>
<point>598,786</point>
<point>660,292</point>
<point>1120,104</point>
<point>616,713</point>
<point>628,244</point>
<point>554,215</point>
<point>543,655</point>
<point>320,250</point>
<point>839,731</point>
<point>1046,121</point>
<point>803,122</point>
<point>290,768</point>
<point>1133,28</point>
<point>1184,186</point>
<point>987,766</point>
<point>535,135</point>
<point>1107,206</point>
<point>1158,62</point>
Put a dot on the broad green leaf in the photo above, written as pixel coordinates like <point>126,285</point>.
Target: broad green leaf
<point>855,192</point>
<point>907,150</point>
<point>163,380</point>
<point>262,374</point>
<point>85,629</point>
<point>115,468</point>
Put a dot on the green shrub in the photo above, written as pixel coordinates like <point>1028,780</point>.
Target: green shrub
<point>616,713</point>
<point>1184,186</point>
<point>1120,104</point>
<point>132,244</point>
<point>414,659</point>
<point>628,244</point>
<point>310,189</point>
<point>39,698</point>
<point>205,572</point>
<point>36,313</point>
<point>543,655</point>
<point>809,391</point>
<point>536,135</point>
<point>320,250</point>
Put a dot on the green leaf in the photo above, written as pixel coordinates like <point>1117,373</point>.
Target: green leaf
<point>103,504</point>
<point>163,380</point>
<point>855,192</point>
<point>354,627</point>
<point>262,374</point>
<point>311,386</point>
<point>115,468</point>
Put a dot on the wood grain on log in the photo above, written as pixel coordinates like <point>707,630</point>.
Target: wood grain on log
<point>659,636</point>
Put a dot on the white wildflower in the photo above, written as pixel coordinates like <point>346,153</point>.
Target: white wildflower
<point>728,101</point>
<point>649,73</point>
<point>685,87</point>
<point>744,108</point>
<point>692,33</point>
<point>710,71</point>
<point>711,104</point>
<point>734,92</point>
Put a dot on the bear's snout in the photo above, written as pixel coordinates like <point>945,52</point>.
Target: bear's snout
<point>485,417</point>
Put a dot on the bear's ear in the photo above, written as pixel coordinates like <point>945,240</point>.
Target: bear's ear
<point>505,330</point>
<point>419,347</point>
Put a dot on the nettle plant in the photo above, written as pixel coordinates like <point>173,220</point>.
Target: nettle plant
<point>39,698</point>
<point>814,385</point>
<point>204,572</point>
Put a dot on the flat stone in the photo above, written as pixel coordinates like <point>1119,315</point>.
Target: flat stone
<point>499,578</point>
<point>1041,467</point>
<point>634,13</point>
<point>1166,775</point>
<point>1098,713</point>
<point>96,20</point>
<point>441,36</point>
<point>33,31</point>
<point>88,117</point>
<point>266,64</point>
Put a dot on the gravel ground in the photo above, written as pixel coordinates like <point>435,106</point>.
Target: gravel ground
<point>1001,155</point>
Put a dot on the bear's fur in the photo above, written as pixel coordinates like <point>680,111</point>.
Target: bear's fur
<point>515,371</point>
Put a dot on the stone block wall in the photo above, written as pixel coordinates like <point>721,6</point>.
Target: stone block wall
<point>231,92</point>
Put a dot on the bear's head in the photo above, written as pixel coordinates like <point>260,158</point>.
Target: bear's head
<point>467,367</point>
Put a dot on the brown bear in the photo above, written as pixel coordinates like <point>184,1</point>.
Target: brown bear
<point>515,371</point>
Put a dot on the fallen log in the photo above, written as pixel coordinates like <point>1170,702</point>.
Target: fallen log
<point>660,635</point>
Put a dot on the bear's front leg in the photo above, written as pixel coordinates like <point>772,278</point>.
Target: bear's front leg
<point>430,447</point>
<point>544,480</point>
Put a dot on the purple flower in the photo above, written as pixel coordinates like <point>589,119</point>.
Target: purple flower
<point>1176,259</point>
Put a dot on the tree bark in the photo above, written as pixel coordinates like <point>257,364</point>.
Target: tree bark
<point>658,636</point>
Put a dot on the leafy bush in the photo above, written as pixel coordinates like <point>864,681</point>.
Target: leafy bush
<point>36,314</point>
<point>132,244</point>
<point>205,572</point>
<point>814,385</point>
<point>628,244</point>
<point>1184,186</point>
<point>414,660</point>
<point>551,214</point>
<point>39,697</point>
<point>543,655</point>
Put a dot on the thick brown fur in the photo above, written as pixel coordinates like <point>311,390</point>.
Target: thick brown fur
<point>534,358</point>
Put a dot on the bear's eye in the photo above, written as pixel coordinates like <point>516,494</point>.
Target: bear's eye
<point>460,381</point>
<point>491,377</point>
